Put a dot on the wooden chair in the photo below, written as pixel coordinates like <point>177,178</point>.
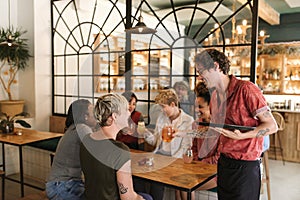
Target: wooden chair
<point>275,144</point>
<point>266,175</point>
<point>2,175</point>
<point>57,124</point>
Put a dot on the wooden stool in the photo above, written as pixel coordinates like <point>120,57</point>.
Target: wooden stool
<point>2,174</point>
<point>266,175</point>
<point>275,141</point>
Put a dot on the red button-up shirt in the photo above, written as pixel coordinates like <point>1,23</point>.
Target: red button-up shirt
<point>244,101</point>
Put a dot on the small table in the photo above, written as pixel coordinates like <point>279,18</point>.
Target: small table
<point>25,137</point>
<point>172,172</point>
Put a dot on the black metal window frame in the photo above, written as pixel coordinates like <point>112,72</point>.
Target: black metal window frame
<point>75,41</point>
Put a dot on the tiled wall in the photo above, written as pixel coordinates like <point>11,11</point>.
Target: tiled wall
<point>36,163</point>
<point>11,159</point>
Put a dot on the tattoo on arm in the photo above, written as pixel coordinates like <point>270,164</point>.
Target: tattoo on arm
<point>262,133</point>
<point>122,188</point>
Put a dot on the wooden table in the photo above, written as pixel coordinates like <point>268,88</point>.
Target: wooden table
<point>28,136</point>
<point>172,172</point>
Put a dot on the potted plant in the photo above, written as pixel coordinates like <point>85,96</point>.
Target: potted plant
<point>14,55</point>
<point>7,122</point>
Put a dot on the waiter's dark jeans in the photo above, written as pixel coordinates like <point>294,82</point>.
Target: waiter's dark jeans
<point>238,179</point>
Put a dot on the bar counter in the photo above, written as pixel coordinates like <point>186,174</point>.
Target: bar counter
<point>290,136</point>
<point>286,111</point>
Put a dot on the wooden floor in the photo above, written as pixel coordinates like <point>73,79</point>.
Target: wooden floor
<point>13,189</point>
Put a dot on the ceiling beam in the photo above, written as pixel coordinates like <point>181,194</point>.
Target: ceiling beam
<point>266,12</point>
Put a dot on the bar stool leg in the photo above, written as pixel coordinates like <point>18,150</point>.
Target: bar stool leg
<point>275,145</point>
<point>280,148</point>
<point>266,168</point>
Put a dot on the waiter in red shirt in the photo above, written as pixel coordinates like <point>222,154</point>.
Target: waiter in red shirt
<point>236,102</point>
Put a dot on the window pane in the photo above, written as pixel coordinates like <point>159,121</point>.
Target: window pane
<point>71,65</point>
<point>71,86</point>
<point>85,64</point>
<point>59,65</point>
<point>59,103</point>
<point>86,86</point>
<point>59,85</point>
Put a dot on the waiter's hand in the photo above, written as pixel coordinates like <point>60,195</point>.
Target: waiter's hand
<point>236,134</point>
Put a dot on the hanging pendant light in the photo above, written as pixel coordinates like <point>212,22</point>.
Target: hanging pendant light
<point>9,40</point>
<point>140,27</point>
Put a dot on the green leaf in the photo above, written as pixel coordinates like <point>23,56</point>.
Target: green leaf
<point>4,116</point>
<point>24,114</point>
<point>23,123</point>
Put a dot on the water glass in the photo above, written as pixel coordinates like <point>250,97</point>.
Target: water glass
<point>187,155</point>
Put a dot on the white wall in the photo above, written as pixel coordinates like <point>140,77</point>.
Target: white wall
<point>42,63</point>
<point>26,80</point>
<point>34,84</point>
<point>4,23</point>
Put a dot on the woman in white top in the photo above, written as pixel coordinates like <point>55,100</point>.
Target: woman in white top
<point>179,120</point>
